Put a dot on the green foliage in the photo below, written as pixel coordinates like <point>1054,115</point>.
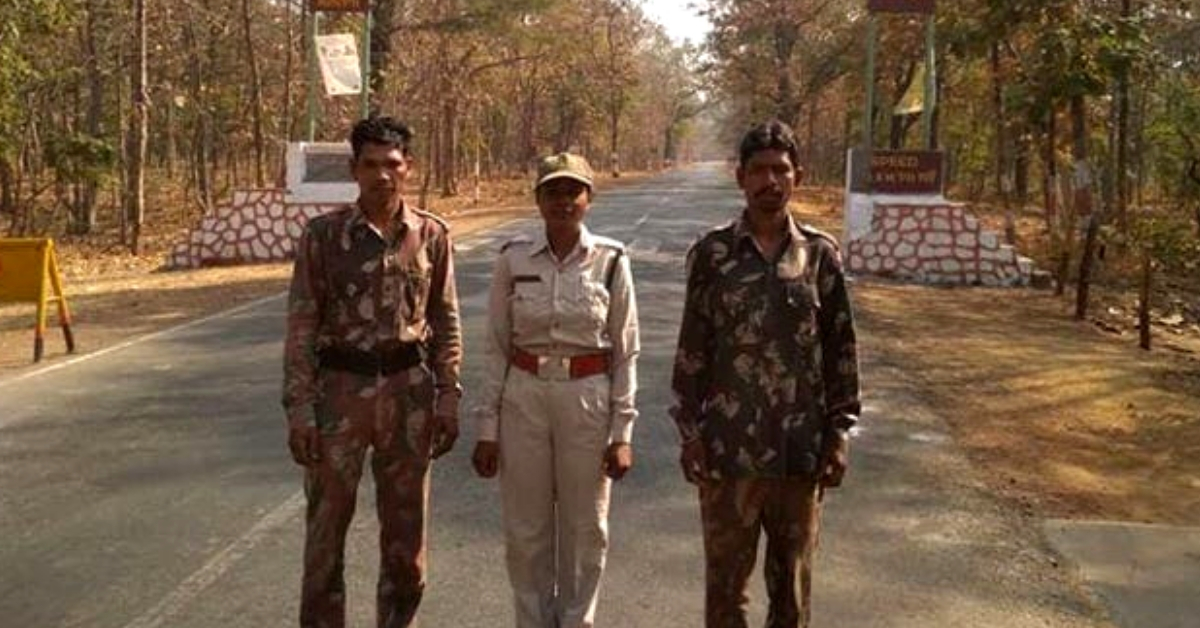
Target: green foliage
<point>27,29</point>
<point>81,158</point>
<point>1169,240</point>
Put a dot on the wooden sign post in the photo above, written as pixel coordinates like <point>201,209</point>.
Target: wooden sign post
<point>29,274</point>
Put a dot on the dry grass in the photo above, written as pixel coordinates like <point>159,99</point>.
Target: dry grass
<point>1065,420</point>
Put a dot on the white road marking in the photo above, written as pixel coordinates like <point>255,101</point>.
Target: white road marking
<point>162,613</point>
<point>170,606</point>
<point>139,340</point>
<point>466,246</point>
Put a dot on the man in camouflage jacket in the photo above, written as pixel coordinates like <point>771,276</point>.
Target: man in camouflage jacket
<point>766,383</point>
<point>371,362</point>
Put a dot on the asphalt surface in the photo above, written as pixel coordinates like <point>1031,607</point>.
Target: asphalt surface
<point>150,486</point>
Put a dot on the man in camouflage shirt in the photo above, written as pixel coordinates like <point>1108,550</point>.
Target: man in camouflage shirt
<point>766,381</point>
<point>371,361</point>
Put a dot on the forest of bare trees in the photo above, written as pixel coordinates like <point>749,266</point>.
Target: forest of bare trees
<point>210,91</point>
<point>1083,113</point>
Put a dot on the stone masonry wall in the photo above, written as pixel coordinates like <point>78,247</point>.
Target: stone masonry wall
<point>940,244</point>
<point>257,226</point>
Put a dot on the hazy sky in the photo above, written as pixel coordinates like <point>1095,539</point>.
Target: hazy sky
<point>679,18</point>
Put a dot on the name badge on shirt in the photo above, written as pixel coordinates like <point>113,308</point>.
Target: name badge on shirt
<point>527,279</point>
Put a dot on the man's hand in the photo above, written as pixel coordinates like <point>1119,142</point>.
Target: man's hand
<point>486,458</point>
<point>694,460</point>
<point>305,443</point>
<point>837,456</point>
<point>443,431</point>
<point>618,459</point>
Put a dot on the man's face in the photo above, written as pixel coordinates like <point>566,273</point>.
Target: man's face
<point>767,179</point>
<point>563,202</point>
<point>380,171</point>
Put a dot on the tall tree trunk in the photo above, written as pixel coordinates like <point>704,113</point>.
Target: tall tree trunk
<point>202,136</point>
<point>1144,293</point>
<point>1083,202</point>
<point>288,67</point>
<point>449,146</point>
<point>8,197</point>
<point>85,212</point>
<point>1050,170</point>
<point>1003,189</point>
<point>139,134</point>
<point>256,98</point>
<point>1123,134</point>
<point>384,16</point>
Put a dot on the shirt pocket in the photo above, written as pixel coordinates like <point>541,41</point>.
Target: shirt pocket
<point>414,282</point>
<point>406,285</point>
<point>802,306</point>
<point>529,305</point>
<point>586,305</point>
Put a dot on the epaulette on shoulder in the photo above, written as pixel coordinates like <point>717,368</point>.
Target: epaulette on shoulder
<point>813,232</point>
<point>434,217</point>
<point>326,220</point>
<point>609,243</point>
<point>518,241</point>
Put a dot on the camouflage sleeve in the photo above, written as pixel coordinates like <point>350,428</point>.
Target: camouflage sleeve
<point>303,319</point>
<point>692,355</point>
<point>445,344</point>
<point>839,348</point>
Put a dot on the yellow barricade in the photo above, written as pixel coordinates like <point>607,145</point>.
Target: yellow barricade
<point>29,274</point>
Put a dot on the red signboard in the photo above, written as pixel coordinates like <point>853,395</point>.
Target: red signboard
<point>901,6</point>
<point>334,6</point>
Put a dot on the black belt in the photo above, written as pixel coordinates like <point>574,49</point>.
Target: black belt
<point>385,360</point>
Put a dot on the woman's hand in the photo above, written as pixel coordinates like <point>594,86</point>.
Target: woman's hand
<point>618,459</point>
<point>486,458</point>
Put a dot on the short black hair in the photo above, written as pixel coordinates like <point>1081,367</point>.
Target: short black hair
<point>772,134</point>
<point>381,130</point>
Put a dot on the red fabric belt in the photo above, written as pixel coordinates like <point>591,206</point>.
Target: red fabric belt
<point>548,367</point>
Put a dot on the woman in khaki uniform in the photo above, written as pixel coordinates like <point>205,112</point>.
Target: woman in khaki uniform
<point>558,402</point>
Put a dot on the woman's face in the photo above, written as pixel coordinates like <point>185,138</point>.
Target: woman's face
<point>563,203</point>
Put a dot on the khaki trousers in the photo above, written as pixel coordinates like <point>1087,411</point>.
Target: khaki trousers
<point>734,512</point>
<point>555,496</point>
<point>388,415</point>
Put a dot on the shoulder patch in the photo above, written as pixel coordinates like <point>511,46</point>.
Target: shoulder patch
<point>813,232</point>
<point>609,243</point>
<point>518,241</point>
<point>434,217</point>
<point>328,220</point>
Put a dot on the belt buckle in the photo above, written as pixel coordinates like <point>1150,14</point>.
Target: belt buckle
<point>554,368</point>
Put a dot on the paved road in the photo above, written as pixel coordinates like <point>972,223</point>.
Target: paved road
<point>150,486</point>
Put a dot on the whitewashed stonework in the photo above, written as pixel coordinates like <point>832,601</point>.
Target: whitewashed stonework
<point>257,226</point>
<point>938,243</point>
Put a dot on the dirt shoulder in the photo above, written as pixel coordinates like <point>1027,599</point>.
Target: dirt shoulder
<point>1064,419</point>
<point>115,297</point>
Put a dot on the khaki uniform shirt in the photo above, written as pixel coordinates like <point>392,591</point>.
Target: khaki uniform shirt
<point>356,287</point>
<point>767,365</point>
<point>550,307</point>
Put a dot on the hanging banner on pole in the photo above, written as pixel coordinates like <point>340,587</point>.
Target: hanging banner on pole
<point>901,6</point>
<point>338,56</point>
<point>339,6</point>
<point>913,100</point>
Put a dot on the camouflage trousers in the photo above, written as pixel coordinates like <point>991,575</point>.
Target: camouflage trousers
<point>733,513</point>
<point>388,415</point>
